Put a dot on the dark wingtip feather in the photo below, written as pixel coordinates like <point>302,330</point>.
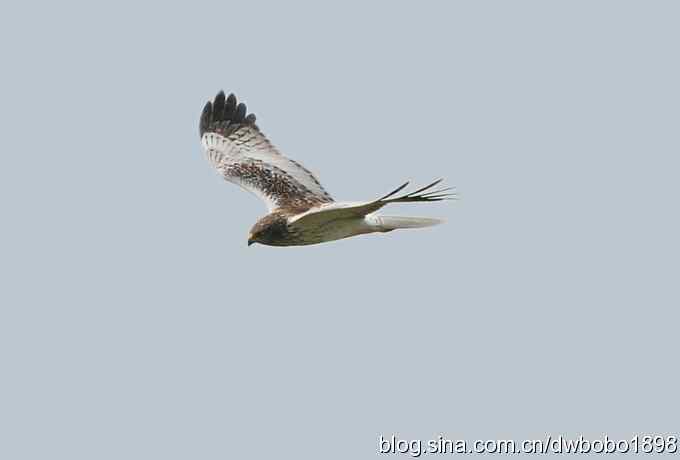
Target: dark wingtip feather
<point>426,187</point>
<point>218,105</point>
<point>230,107</point>
<point>240,113</point>
<point>206,118</point>
<point>393,192</point>
<point>224,111</point>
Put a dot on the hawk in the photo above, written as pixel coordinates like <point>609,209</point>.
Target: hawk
<point>301,212</point>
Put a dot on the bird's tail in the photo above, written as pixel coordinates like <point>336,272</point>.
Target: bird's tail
<point>389,223</point>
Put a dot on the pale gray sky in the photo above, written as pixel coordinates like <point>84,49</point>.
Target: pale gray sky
<point>135,323</point>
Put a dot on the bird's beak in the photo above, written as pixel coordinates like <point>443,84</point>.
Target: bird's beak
<point>250,240</point>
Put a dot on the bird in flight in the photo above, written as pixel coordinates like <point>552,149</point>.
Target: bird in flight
<point>301,212</point>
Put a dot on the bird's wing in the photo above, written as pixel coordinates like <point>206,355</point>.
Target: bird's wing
<point>236,147</point>
<point>324,213</point>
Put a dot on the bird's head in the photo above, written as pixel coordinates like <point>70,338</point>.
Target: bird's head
<point>271,230</point>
